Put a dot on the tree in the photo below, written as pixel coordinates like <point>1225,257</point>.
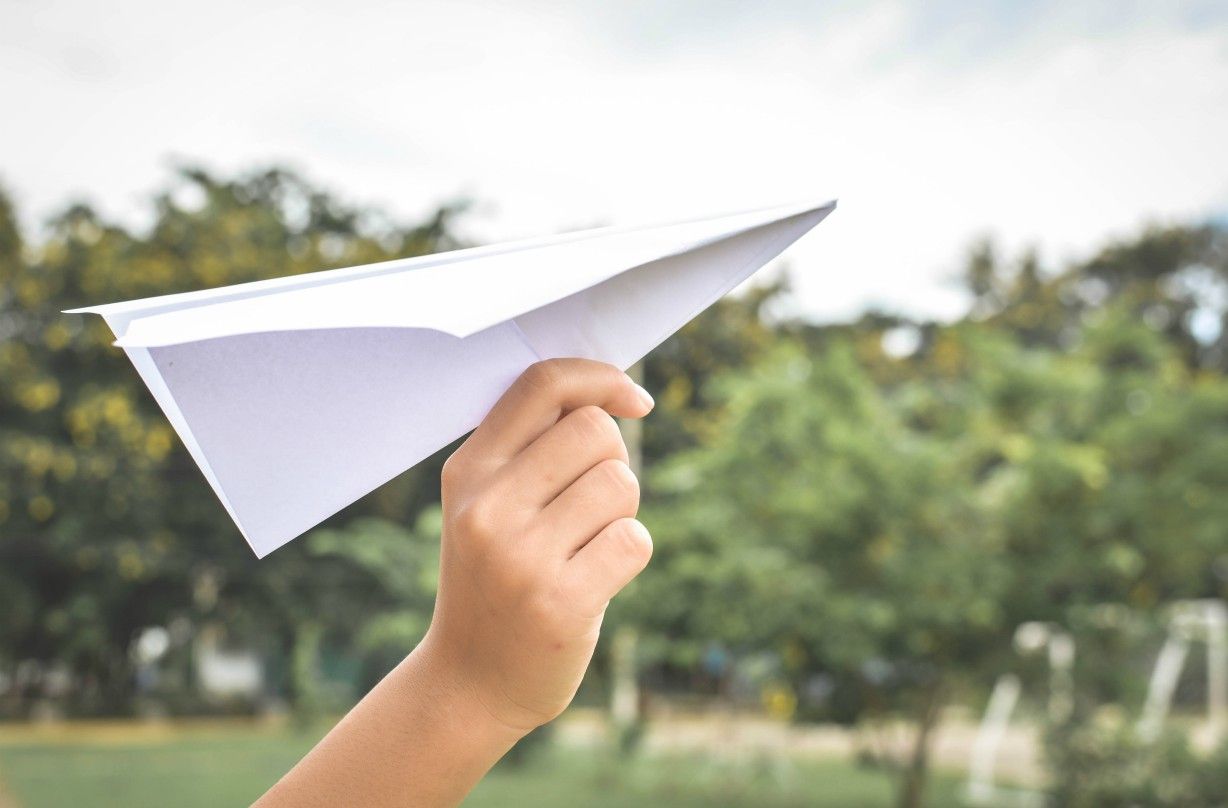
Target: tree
<point>107,526</point>
<point>1174,278</point>
<point>887,530</point>
<point>817,524</point>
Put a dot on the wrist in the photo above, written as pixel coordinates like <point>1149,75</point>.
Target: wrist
<point>418,739</point>
<point>460,700</point>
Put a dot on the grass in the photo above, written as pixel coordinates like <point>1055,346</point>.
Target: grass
<point>229,765</point>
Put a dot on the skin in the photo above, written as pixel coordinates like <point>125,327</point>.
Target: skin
<point>539,533</point>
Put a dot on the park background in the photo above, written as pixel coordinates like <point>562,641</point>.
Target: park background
<point>967,442</point>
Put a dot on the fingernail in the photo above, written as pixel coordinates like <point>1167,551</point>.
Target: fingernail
<point>645,397</point>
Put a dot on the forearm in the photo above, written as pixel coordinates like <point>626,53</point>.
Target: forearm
<point>419,739</point>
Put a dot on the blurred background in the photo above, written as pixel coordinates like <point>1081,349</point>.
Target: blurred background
<point>940,502</point>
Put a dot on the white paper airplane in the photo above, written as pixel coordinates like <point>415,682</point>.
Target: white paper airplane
<point>296,396</point>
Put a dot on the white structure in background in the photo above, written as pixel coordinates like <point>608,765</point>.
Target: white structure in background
<point>227,673</point>
<point>151,645</point>
<point>1192,620</point>
<point>1030,638</point>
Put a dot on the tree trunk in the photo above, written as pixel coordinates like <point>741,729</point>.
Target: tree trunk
<point>308,704</point>
<point>912,786</point>
<point>625,714</point>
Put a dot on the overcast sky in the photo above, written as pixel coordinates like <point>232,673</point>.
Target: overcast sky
<point>1055,123</point>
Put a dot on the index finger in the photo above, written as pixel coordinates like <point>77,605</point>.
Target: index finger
<point>545,392</point>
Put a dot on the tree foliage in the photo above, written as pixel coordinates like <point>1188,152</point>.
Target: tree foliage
<point>106,524</point>
<point>881,525</point>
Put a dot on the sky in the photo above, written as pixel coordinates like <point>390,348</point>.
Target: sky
<point>1058,125</point>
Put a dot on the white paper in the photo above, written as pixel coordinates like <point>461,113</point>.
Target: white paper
<point>298,395</point>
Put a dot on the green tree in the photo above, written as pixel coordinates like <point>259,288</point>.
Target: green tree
<point>888,528</point>
<point>1174,278</point>
<point>819,525</point>
<point>106,525</point>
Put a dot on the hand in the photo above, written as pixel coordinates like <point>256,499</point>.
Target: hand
<point>538,535</point>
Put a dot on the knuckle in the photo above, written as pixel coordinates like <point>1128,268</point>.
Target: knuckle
<point>595,427</point>
<point>476,521</point>
<point>543,376</point>
<point>633,542</point>
<point>618,479</point>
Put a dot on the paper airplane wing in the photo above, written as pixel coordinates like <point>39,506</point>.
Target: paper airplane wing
<point>299,395</point>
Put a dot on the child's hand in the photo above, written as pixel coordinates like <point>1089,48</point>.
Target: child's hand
<point>538,536</point>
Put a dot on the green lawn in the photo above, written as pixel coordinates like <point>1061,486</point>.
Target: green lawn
<point>233,766</point>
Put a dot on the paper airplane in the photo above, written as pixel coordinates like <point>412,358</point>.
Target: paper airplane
<point>296,396</point>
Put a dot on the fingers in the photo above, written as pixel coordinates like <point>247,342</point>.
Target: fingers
<point>606,564</point>
<point>544,392</point>
<point>582,439</point>
<point>603,495</point>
